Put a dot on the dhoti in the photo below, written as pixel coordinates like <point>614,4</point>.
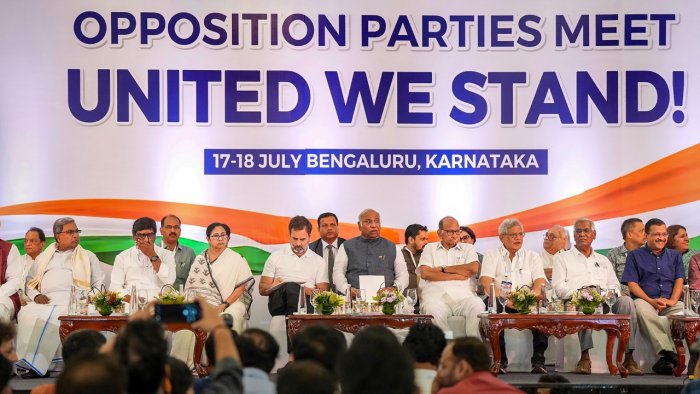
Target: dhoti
<point>37,336</point>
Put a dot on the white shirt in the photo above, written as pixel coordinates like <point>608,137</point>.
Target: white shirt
<point>424,380</point>
<point>13,277</point>
<point>133,268</point>
<point>547,259</point>
<point>435,255</point>
<point>309,269</point>
<point>523,270</point>
<point>341,267</point>
<point>572,271</point>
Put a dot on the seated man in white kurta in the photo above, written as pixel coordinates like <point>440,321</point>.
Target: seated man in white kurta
<point>10,280</point>
<point>62,265</point>
<point>447,287</point>
<point>145,265</point>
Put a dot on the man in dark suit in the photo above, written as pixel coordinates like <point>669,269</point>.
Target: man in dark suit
<point>327,246</point>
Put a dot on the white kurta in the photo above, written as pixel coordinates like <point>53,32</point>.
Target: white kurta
<point>572,271</point>
<point>133,268</point>
<point>309,269</point>
<point>37,324</point>
<point>13,282</point>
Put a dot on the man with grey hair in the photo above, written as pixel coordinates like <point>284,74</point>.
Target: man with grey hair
<point>61,266</point>
<point>368,254</point>
<point>510,267</point>
<point>582,267</point>
<point>556,239</point>
<point>447,269</point>
<point>633,235</point>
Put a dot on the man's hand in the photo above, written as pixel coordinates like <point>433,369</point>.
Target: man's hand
<point>41,299</point>
<point>146,246</point>
<point>221,308</point>
<point>658,303</point>
<point>210,317</point>
<point>668,302</point>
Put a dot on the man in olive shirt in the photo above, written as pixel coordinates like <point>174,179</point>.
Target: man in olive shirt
<point>170,229</point>
<point>633,234</point>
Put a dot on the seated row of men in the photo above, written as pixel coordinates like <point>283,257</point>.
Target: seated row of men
<point>445,272</point>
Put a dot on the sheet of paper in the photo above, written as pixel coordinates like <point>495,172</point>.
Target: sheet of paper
<point>371,284</point>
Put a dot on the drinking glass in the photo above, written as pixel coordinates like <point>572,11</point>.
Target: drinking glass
<point>610,297</point>
<point>301,306</point>
<point>695,300</point>
<point>411,298</point>
<point>361,300</point>
<point>503,297</point>
<point>83,301</point>
<point>314,293</point>
<point>142,298</point>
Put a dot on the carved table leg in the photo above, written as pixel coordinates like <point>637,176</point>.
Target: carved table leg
<point>200,337</point>
<point>495,350</point>
<point>623,339</point>
<point>691,330</point>
<point>678,332</point>
<point>608,352</point>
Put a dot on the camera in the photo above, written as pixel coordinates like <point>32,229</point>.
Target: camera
<point>177,313</point>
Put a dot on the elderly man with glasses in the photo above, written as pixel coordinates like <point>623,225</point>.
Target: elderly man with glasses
<point>145,265</point>
<point>581,267</point>
<point>447,269</point>
<point>556,239</point>
<point>61,266</point>
<point>655,276</point>
<point>510,267</point>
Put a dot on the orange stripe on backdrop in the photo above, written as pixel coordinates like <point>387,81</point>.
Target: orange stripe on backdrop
<point>263,228</point>
<point>665,183</point>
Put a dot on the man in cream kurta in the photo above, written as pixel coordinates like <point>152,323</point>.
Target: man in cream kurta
<point>447,286</point>
<point>145,265</point>
<point>61,266</point>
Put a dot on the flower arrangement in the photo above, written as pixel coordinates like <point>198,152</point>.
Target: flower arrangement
<point>522,299</point>
<point>388,298</point>
<point>587,299</point>
<point>171,297</point>
<point>107,302</point>
<point>327,301</point>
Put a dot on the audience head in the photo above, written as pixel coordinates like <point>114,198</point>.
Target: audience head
<point>416,237</point>
<point>218,235</point>
<point>552,378</point>
<point>82,342</point>
<point>632,230</point>
<point>93,373</point>
<point>66,233</point>
<point>369,223</point>
<point>461,358</point>
<point>5,375</point>
<point>448,231</point>
<point>657,235</point>
<point>376,363</point>
<point>678,238</point>
<point>170,228</point>
<point>7,341</point>
<point>299,234</point>
<point>34,241</point>
<point>512,234</point>
<point>584,233</point>
<point>556,239</point>
<point>258,349</point>
<point>180,376</point>
<point>425,343</point>
<point>141,347</point>
<point>467,235</point>
<point>319,343</point>
<point>305,377</point>
<point>328,226</point>
<point>210,348</point>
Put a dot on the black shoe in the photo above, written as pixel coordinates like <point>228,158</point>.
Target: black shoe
<point>663,367</point>
<point>538,369</point>
<point>670,356</point>
<point>32,375</point>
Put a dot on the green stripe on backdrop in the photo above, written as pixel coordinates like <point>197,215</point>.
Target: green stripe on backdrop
<point>108,247</point>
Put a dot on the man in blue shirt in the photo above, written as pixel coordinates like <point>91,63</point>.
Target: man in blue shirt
<point>654,275</point>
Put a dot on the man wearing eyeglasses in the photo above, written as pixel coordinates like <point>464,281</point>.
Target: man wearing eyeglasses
<point>655,276</point>
<point>170,229</point>
<point>581,267</point>
<point>62,265</point>
<point>555,239</point>
<point>510,267</point>
<point>145,265</point>
<point>447,269</point>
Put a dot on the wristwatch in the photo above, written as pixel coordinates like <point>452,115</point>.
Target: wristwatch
<point>227,304</point>
<point>443,268</point>
<point>154,258</point>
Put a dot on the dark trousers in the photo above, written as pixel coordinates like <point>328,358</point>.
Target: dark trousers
<point>285,300</point>
<point>540,342</point>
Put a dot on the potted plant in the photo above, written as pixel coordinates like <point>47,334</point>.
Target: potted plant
<point>388,298</point>
<point>327,301</point>
<point>587,300</point>
<point>523,299</point>
<point>107,302</point>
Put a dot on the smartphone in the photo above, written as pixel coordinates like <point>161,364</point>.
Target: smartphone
<point>178,313</point>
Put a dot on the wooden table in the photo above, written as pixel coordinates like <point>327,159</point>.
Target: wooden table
<point>683,327</point>
<point>354,323</point>
<point>70,323</point>
<point>559,325</point>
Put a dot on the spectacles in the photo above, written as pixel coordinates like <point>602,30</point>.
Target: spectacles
<point>583,230</point>
<point>515,235</point>
<point>369,222</point>
<point>219,236</point>
<point>451,232</point>
<point>550,236</point>
<point>172,227</point>
<point>659,235</point>
<point>144,236</point>
<point>465,237</point>
<point>71,232</point>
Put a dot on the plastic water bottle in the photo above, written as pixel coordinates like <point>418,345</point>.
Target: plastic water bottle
<point>492,298</point>
<point>133,301</point>
<point>72,302</point>
<point>348,299</point>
